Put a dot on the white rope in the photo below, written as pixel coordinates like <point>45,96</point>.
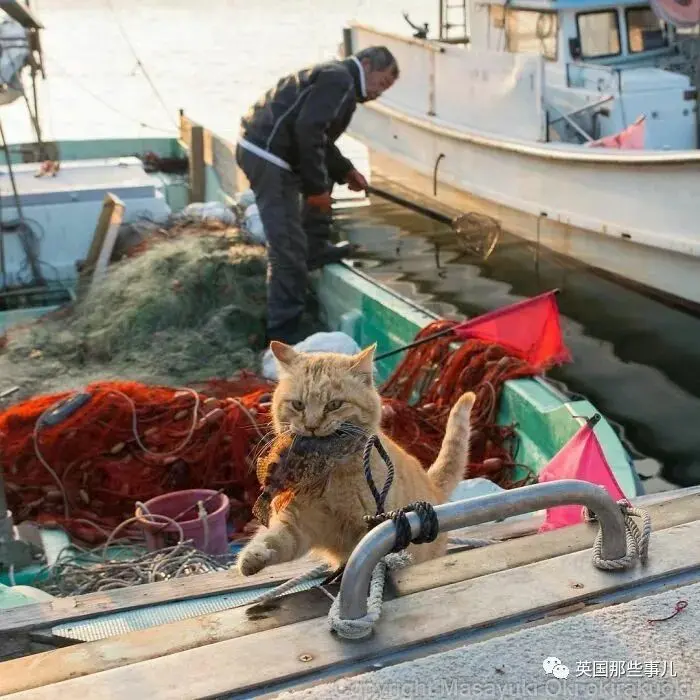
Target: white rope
<point>363,626</point>
<point>637,540</point>
<point>320,570</point>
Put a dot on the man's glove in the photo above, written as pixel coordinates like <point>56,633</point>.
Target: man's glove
<point>322,201</point>
<point>356,181</point>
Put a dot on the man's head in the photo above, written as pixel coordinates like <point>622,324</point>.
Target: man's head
<point>380,68</point>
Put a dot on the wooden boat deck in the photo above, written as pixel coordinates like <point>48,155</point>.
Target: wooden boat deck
<point>461,599</point>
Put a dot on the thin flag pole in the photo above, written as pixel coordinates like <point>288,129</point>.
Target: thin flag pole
<point>415,344</point>
<point>450,331</point>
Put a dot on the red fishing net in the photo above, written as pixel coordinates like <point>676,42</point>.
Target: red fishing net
<point>83,460</point>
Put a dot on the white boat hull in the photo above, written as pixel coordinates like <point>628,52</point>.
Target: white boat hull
<point>631,214</point>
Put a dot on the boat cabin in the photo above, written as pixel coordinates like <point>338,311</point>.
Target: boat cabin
<point>620,34</point>
<point>605,64</point>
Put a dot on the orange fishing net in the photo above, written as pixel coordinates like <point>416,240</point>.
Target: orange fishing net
<point>424,386</point>
<point>84,462</point>
<point>128,442</point>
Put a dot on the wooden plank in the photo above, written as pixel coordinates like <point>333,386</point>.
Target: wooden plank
<point>275,656</point>
<point>115,221</point>
<point>185,129</point>
<point>225,165</point>
<point>82,659</point>
<point>218,153</point>
<point>35,616</point>
<point>197,175</point>
<point>138,646</point>
<point>464,566</point>
<point>455,567</point>
<point>102,243</point>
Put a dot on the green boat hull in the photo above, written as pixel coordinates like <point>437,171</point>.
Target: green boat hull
<point>545,418</point>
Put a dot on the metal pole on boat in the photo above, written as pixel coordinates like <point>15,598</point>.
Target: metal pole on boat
<point>473,511</point>
<point>33,262</point>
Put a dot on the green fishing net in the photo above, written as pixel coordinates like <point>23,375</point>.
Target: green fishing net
<point>183,310</point>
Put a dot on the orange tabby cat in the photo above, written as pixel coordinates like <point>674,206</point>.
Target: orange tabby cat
<point>316,393</point>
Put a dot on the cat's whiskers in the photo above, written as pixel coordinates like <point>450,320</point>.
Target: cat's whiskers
<point>266,441</point>
<point>294,439</point>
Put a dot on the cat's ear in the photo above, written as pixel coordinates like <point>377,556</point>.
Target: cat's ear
<point>284,354</point>
<point>364,363</point>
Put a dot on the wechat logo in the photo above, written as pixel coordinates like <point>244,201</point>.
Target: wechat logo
<point>554,667</point>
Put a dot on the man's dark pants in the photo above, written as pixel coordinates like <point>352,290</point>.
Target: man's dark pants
<point>294,239</point>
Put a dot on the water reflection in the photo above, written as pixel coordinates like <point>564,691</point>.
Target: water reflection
<point>634,357</point>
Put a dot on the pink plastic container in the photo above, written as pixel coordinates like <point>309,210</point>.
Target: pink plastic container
<point>210,538</point>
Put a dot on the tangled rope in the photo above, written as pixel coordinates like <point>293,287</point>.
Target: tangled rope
<point>637,541</point>
<point>431,377</point>
<point>362,627</point>
<point>429,526</point>
<point>82,463</point>
<point>78,571</point>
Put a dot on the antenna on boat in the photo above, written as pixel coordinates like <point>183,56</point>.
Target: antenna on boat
<point>421,32</point>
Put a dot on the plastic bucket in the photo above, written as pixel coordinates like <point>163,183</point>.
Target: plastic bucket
<point>208,534</point>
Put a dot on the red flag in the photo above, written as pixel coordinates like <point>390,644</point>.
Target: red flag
<point>581,458</point>
<point>529,328</point>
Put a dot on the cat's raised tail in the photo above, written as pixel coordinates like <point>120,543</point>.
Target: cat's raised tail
<point>449,467</point>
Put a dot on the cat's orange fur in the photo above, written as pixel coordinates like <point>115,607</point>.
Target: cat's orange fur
<point>331,523</point>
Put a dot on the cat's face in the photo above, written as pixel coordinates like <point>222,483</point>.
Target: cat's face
<point>318,392</point>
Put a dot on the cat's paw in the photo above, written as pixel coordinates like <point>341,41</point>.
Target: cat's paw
<point>255,557</point>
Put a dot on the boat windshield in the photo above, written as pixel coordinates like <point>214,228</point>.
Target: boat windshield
<point>531,31</point>
<point>645,31</point>
<point>599,33</point>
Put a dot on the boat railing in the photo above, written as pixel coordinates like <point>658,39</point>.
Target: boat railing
<point>380,541</point>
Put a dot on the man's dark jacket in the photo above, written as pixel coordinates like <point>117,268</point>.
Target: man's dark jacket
<point>300,119</point>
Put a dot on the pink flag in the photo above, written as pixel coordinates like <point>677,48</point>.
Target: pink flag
<point>631,137</point>
<point>581,458</point>
<point>528,328</point>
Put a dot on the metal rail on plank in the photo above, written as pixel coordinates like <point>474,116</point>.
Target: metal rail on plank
<point>473,511</point>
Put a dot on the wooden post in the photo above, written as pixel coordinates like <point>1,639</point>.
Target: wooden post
<point>347,42</point>
<point>197,182</point>
<point>92,269</point>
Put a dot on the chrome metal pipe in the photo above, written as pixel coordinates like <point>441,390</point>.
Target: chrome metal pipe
<point>473,511</point>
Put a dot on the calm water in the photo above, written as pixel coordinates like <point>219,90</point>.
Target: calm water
<point>634,358</point>
<point>211,58</point>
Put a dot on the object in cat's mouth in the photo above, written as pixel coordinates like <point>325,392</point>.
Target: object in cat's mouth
<point>295,463</point>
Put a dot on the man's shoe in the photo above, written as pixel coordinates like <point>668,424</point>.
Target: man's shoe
<point>333,254</point>
<point>290,332</point>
